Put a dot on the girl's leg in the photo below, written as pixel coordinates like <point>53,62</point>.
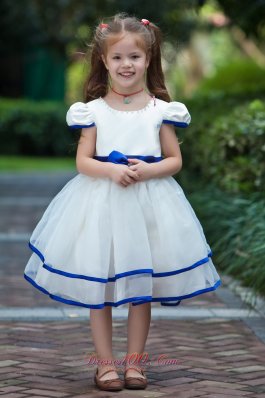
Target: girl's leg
<point>101,327</point>
<point>139,319</point>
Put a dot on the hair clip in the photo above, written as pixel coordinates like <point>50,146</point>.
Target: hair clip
<point>145,22</point>
<point>103,25</point>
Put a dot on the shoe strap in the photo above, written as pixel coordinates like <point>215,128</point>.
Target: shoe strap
<point>138,369</point>
<point>106,371</point>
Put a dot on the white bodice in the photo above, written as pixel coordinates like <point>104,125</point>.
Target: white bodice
<point>129,132</point>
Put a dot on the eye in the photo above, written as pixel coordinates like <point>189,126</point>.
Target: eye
<point>116,57</point>
<point>135,56</point>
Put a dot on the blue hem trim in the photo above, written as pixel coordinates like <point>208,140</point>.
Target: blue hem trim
<point>72,302</point>
<point>94,279</point>
<point>179,271</point>
<point>133,300</point>
<point>171,304</point>
<point>177,124</point>
<point>164,301</point>
<point>81,126</point>
<point>117,276</point>
<point>207,289</point>
<point>35,250</point>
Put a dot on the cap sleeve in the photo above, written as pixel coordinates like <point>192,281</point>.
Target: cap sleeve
<point>176,113</point>
<point>79,116</point>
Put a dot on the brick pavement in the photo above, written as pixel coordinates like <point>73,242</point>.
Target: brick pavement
<point>216,357</point>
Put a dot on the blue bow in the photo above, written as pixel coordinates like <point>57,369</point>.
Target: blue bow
<point>117,157</point>
<point>120,158</point>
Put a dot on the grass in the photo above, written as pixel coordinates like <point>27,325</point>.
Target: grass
<point>25,163</point>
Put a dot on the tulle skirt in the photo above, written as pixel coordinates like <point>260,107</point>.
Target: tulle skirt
<point>99,244</point>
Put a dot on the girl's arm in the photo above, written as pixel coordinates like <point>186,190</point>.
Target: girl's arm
<point>85,163</point>
<point>172,163</point>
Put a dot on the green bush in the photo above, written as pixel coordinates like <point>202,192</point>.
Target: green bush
<point>34,128</point>
<point>234,226</point>
<point>226,144</point>
<point>237,77</point>
<point>239,164</point>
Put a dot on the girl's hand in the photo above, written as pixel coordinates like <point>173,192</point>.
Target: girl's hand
<point>123,175</point>
<point>143,169</point>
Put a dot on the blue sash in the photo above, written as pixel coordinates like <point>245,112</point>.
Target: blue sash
<point>119,157</point>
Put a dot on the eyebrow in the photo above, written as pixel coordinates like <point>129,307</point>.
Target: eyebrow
<point>134,52</point>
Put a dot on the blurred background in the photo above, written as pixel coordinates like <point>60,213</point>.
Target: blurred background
<point>214,62</point>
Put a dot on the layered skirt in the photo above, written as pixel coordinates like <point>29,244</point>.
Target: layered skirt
<point>99,244</point>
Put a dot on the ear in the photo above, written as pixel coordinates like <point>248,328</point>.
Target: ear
<point>104,61</point>
<point>147,62</point>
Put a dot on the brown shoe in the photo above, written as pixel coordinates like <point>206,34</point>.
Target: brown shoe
<point>109,384</point>
<point>135,383</point>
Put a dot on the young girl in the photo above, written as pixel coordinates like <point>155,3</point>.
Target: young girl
<point>122,230</point>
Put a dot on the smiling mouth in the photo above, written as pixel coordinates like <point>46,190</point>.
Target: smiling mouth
<point>126,74</point>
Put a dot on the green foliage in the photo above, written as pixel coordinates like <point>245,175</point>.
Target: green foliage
<point>34,128</point>
<point>20,164</point>
<point>235,226</point>
<point>226,143</point>
<point>238,164</point>
<point>238,77</point>
<point>56,23</point>
<point>248,15</point>
<point>224,171</point>
<point>75,77</point>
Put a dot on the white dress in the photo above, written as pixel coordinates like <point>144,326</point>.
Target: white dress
<point>100,244</point>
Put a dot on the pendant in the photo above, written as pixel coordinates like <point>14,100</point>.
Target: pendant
<point>127,100</point>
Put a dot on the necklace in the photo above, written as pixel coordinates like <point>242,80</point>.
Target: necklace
<point>126,99</point>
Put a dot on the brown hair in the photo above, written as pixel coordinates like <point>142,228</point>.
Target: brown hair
<point>96,84</point>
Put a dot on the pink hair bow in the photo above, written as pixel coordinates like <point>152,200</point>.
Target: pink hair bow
<point>103,25</point>
<point>145,22</point>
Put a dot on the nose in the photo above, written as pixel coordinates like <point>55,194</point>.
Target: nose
<point>127,62</point>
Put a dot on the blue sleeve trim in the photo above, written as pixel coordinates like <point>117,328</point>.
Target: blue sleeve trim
<point>177,124</point>
<point>81,126</point>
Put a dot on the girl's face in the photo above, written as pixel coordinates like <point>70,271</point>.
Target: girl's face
<point>126,63</point>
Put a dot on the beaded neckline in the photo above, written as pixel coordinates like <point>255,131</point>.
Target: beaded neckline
<point>149,103</point>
